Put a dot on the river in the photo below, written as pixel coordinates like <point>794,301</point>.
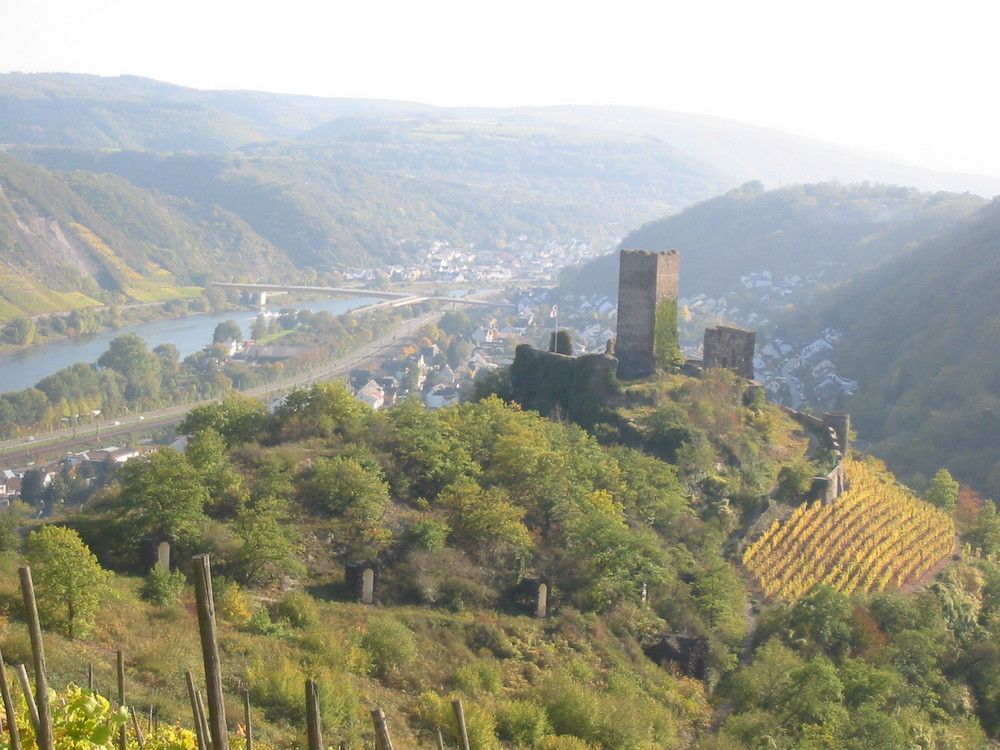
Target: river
<point>23,369</point>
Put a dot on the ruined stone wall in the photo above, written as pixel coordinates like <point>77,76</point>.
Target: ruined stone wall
<point>730,348</point>
<point>560,386</point>
<point>835,428</point>
<point>645,280</point>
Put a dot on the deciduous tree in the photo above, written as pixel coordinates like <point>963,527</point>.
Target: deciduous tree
<point>69,581</point>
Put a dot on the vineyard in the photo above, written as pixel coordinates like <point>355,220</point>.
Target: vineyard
<point>876,536</point>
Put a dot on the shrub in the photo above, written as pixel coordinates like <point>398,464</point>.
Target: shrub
<point>436,711</point>
<point>260,623</point>
<point>299,609</point>
<point>563,742</point>
<point>522,722</point>
<point>162,586</point>
<point>481,675</point>
<point>429,534</point>
<point>390,644</point>
<point>231,603</point>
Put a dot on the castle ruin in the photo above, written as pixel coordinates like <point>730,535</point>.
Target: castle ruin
<point>646,280</point>
<point>730,348</point>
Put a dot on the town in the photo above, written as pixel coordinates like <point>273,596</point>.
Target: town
<point>441,362</point>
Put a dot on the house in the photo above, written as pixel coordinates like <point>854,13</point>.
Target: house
<point>372,394</point>
<point>440,396</point>
<point>485,335</point>
<point>817,346</point>
<point>390,389</point>
<point>110,455</point>
<point>10,486</point>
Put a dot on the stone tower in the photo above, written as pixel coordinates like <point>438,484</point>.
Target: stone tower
<point>732,348</point>
<point>645,279</point>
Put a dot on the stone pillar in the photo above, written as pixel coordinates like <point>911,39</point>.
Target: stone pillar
<point>163,555</point>
<point>368,586</point>
<point>542,610</point>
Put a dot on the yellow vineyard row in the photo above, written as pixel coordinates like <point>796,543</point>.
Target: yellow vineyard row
<point>876,536</point>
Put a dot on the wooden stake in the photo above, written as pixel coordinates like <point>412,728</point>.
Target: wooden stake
<point>382,739</point>
<point>138,730</point>
<point>203,718</point>
<point>314,727</point>
<point>22,674</point>
<point>44,736</point>
<point>440,739</point>
<point>210,653</point>
<point>8,707</point>
<point>90,676</point>
<point>463,734</point>
<point>247,719</point>
<point>199,723</point>
<point>122,732</point>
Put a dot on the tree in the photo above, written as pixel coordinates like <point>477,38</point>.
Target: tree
<point>237,418</point>
<point>129,356</point>
<point>350,487</point>
<point>269,545</point>
<point>69,582</point>
<point>324,410</point>
<point>943,491</point>
<point>455,323</point>
<point>24,330</point>
<point>206,452</point>
<point>227,329</point>
<point>163,494</point>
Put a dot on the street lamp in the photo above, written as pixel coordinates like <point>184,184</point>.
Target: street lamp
<point>97,416</point>
<point>71,420</point>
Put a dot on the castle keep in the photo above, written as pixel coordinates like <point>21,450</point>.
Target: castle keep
<point>645,280</point>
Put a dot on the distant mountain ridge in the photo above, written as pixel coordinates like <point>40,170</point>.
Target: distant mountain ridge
<point>122,189</point>
<point>132,112</point>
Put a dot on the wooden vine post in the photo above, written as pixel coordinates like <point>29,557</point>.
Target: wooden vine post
<point>247,719</point>
<point>210,653</point>
<point>196,713</point>
<point>382,739</point>
<point>314,728</point>
<point>44,738</point>
<point>463,733</point>
<point>122,732</point>
<point>8,707</point>
<point>22,675</point>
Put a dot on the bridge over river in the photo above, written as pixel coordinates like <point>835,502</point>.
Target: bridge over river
<point>394,299</point>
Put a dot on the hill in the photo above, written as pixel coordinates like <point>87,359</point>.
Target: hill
<point>919,333</point>
<point>230,184</point>
<point>129,112</point>
<point>461,514</point>
<point>74,240</point>
<point>827,230</point>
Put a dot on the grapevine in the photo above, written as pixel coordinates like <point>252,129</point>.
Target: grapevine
<point>876,536</point>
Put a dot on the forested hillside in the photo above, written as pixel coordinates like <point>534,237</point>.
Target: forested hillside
<point>920,338</point>
<point>462,512</point>
<point>75,240</point>
<point>826,230</point>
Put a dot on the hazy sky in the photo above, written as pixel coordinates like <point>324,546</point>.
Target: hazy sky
<point>912,79</point>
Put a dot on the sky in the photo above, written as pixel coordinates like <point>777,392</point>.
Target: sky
<point>913,80</point>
